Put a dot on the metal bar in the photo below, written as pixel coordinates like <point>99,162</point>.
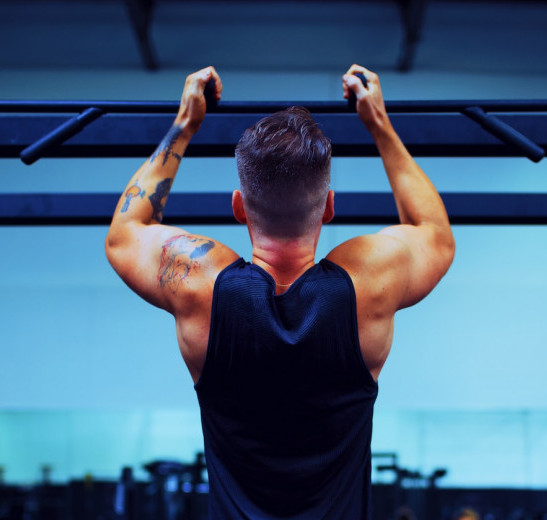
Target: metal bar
<point>506,133</point>
<point>59,135</point>
<point>429,134</point>
<point>215,208</point>
<point>126,135</point>
<point>259,107</point>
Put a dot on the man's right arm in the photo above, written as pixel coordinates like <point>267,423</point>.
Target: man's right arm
<point>422,247</point>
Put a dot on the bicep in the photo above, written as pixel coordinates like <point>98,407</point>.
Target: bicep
<point>157,261</point>
<point>135,254</point>
<point>424,256</point>
<point>396,267</point>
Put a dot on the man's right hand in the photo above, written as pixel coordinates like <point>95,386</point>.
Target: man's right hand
<point>192,104</point>
<point>370,102</point>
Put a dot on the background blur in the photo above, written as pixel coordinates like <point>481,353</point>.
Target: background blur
<point>90,376</point>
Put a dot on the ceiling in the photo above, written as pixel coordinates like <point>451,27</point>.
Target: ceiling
<point>486,36</point>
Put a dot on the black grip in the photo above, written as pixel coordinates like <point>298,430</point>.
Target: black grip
<point>505,133</point>
<point>210,98</point>
<point>352,100</point>
<point>59,135</point>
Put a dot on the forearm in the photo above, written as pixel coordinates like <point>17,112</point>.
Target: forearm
<point>417,200</point>
<point>142,203</point>
<point>145,196</point>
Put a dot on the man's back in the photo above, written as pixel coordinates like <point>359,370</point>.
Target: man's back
<point>286,398</point>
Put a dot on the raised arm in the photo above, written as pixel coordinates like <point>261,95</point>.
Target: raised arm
<point>419,251</point>
<point>152,258</point>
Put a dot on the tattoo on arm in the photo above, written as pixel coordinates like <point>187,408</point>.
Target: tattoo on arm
<point>178,257</point>
<point>131,193</point>
<point>167,144</point>
<point>158,199</point>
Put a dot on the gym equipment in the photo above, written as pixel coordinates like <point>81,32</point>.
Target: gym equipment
<point>133,129</point>
<point>216,208</point>
<point>34,129</point>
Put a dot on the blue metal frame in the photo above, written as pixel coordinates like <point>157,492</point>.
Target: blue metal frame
<point>122,135</point>
<point>126,129</point>
<point>133,129</point>
<point>215,208</point>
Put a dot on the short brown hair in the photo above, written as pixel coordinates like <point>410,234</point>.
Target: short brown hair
<point>283,162</point>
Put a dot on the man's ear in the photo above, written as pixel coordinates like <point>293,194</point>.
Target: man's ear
<point>328,214</point>
<point>237,207</point>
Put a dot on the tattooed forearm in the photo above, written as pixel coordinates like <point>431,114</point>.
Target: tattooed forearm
<point>159,198</point>
<point>167,144</point>
<point>131,193</point>
<point>178,257</point>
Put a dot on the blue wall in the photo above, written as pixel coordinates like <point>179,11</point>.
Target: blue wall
<point>90,376</point>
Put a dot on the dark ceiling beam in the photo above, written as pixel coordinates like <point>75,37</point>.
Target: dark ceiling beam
<point>412,13</point>
<point>412,18</point>
<point>140,15</point>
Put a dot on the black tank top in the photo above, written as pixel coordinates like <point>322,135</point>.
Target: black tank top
<point>286,399</point>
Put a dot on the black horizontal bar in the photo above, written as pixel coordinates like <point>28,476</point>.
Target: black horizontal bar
<point>60,134</point>
<point>505,133</point>
<point>258,107</point>
<point>215,208</point>
<point>131,135</point>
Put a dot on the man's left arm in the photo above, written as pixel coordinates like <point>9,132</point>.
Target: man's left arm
<point>136,238</point>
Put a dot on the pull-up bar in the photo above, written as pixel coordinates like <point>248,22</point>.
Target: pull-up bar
<point>261,107</point>
<point>123,129</point>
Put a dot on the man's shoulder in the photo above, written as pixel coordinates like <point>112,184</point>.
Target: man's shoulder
<point>364,253</point>
<point>376,265</point>
<point>189,266</point>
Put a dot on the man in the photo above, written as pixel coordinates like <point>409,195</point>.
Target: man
<point>284,353</point>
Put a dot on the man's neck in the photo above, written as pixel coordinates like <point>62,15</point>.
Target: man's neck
<point>284,259</point>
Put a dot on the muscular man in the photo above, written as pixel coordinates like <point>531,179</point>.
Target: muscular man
<point>284,352</point>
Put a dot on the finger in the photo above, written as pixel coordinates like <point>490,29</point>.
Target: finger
<point>204,75</point>
<point>218,82</point>
<point>369,74</point>
<point>356,68</point>
<point>354,84</point>
<point>373,81</point>
<point>198,79</point>
<point>345,88</point>
<point>195,83</point>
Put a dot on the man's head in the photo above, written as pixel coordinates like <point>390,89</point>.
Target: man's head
<point>284,170</point>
